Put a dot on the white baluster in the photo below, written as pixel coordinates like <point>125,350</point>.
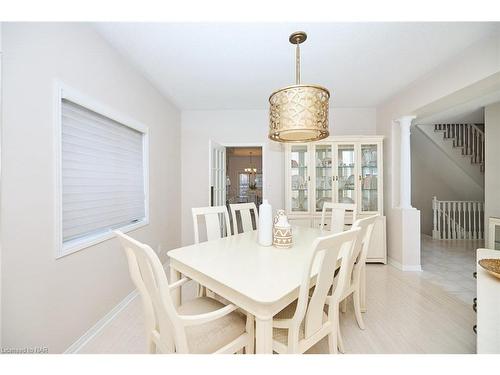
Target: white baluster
<point>474,227</point>
<point>459,214</point>
<point>439,220</point>
<point>448,213</point>
<point>480,229</point>
<point>454,208</point>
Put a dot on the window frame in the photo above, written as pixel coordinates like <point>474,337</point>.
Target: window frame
<point>62,91</point>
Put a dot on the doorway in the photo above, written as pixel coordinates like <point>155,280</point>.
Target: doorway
<point>236,176</point>
<point>244,178</point>
<point>448,190</point>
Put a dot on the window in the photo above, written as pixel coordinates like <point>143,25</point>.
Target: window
<point>102,177</point>
<point>244,178</point>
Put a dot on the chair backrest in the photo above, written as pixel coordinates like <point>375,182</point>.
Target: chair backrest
<point>245,215</point>
<point>360,251</point>
<point>148,275</point>
<point>216,222</point>
<point>337,220</point>
<point>326,251</point>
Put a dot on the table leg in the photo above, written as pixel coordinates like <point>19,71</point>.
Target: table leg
<point>176,294</point>
<point>363,289</point>
<point>264,335</point>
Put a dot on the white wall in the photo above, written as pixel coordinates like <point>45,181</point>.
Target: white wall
<point>492,165</point>
<point>247,127</point>
<point>473,64</point>
<point>48,302</point>
<point>435,174</point>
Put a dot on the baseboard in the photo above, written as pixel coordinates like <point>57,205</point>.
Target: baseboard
<point>103,322</point>
<point>399,266</point>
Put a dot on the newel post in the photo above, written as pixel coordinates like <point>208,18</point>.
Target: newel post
<point>435,214</point>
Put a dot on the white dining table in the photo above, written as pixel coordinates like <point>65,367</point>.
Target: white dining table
<point>260,280</point>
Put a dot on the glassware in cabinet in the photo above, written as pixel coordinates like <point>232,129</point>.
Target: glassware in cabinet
<point>323,175</point>
<point>299,160</point>
<point>346,173</point>
<point>369,177</point>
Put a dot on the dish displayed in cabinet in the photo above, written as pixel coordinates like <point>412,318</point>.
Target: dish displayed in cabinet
<point>297,182</point>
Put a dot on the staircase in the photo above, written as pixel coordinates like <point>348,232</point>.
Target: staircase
<point>468,138</point>
<point>463,144</point>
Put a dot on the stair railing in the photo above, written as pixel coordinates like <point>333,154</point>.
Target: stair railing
<point>458,220</point>
<point>469,137</point>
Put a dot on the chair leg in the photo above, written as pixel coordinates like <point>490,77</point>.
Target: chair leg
<point>333,336</point>
<point>357,308</point>
<point>250,328</point>
<point>343,305</point>
<point>332,343</point>
<point>151,347</point>
<point>340,341</point>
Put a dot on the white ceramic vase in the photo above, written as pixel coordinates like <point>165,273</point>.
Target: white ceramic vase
<point>265,224</point>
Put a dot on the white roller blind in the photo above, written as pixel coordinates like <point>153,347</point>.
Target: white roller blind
<point>102,174</point>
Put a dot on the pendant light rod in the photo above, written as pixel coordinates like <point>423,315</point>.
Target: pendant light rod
<point>297,64</point>
<point>297,38</point>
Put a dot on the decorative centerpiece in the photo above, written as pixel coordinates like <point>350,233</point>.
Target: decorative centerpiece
<point>282,231</point>
<point>492,266</point>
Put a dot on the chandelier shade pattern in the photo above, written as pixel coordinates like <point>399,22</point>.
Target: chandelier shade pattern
<point>299,113</point>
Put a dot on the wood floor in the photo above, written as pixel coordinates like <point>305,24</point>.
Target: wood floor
<point>450,265</point>
<point>406,314</point>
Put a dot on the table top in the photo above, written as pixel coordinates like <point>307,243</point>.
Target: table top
<point>263,274</point>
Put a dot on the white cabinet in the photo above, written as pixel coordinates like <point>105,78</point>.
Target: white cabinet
<point>341,169</point>
<point>488,306</point>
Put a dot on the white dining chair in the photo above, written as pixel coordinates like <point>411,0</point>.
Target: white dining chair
<point>358,262</point>
<point>304,323</point>
<point>216,225</point>
<point>245,210</point>
<point>216,222</point>
<point>338,214</point>
<point>201,325</point>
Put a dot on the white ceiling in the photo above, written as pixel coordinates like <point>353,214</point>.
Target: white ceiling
<point>238,65</point>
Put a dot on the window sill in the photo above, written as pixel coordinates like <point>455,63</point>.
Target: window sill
<point>85,242</point>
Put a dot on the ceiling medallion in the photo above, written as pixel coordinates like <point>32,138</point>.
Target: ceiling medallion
<point>299,113</point>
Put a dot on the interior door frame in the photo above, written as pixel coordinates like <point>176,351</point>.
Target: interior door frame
<point>212,145</point>
<point>237,144</point>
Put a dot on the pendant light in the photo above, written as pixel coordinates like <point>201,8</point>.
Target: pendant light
<point>251,170</point>
<point>299,113</point>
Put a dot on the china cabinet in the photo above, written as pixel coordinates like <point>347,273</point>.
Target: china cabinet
<point>343,169</point>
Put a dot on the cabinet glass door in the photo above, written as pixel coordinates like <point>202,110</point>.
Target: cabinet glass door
<point>323,161</point>
<point>346,164</point>
<point>299,158</point>
<point>369,177</point>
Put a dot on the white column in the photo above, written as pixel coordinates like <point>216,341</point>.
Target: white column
<point>405,162</point>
